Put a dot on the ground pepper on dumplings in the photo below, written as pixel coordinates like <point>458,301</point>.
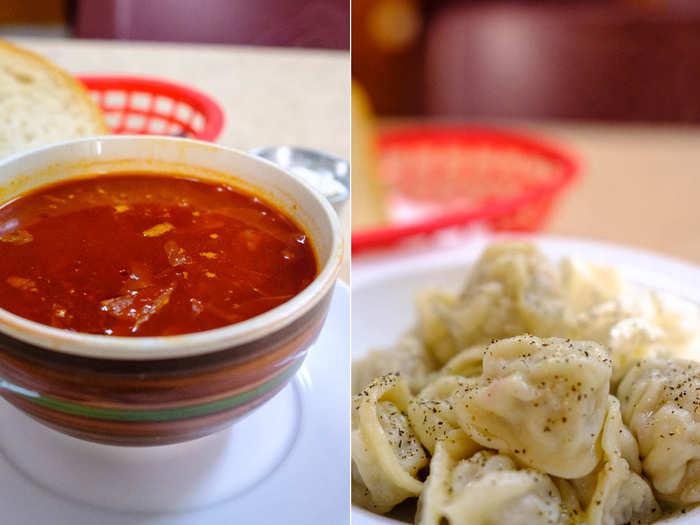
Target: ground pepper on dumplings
<point>544,392</point>
<point>541,401</point>
<point>660,402</point>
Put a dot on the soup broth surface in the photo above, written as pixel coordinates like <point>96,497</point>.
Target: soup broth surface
<point>148,255</point>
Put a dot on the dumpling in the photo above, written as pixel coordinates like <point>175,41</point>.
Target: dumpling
<point>523,428</point>
<point>631,302</point>
<point>408,357</point>
<point>386,452</point>
<point>615,493</point>
<point>434,309</point>
<point>542,302</point>
<point>512,289</point>
<point>487,489</point>
<point>433,417</point>
<point>570,504</point>
<point>541,401</point>
<point>660,401</point>
<point>639,324</point>
<point>633,339</point>
<point>587,285</point>
<point>680,321</point>
<point>466,363</point>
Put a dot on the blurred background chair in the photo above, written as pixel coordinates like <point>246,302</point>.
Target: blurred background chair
<point>297,23</point>
<point>291,23</point>
<point>623,60</point>
<point>571,60</point>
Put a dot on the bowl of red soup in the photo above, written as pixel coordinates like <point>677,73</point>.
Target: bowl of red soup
<point>154,289</point>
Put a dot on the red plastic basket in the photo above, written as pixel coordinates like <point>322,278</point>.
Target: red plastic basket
<point>137,105</point>
<point>446,176</point>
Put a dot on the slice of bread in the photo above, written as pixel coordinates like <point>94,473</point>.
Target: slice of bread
<point>40,103</point>
<point>368,193</point>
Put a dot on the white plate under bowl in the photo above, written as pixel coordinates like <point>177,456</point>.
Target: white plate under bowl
<point>286,462</point>
<point>384,288</point>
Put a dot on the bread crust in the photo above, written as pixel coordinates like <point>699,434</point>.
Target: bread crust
<point>78,89</point>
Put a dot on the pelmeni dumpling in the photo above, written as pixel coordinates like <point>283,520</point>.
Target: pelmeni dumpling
<point>433,417</point>
<point>587,285</point>
<point>386,453</point>
<point>466,363</point>
<point>543,404</point>
<point>680,321</point>
<point>615,493</point>
<point>639,324</point>
<point>487,489</point>
<point>597,320</point>
<point>541,401</point>
<point>408,357</point>
<point>512,289</point>
<point>627,329</point>
<point>633,339</point>
<point>660,402</point>
<point>433,309</point>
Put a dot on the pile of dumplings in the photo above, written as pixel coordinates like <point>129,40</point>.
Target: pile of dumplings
<point>543,393</point>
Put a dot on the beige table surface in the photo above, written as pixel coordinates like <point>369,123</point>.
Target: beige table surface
<point>269,96</point>
<point>640,184</point>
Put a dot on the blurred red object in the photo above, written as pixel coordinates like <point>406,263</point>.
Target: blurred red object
<point>633,60</point>
<point>455,176</point>
<point>297,23</point>
<point>137,105</point>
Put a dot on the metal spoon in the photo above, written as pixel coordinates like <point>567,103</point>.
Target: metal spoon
<point>328,174</point>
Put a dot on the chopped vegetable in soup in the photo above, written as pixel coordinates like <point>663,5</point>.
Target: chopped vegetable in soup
<point>147,255</point>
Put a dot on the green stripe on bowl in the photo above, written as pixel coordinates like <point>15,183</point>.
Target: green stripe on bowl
<point>168,414</point>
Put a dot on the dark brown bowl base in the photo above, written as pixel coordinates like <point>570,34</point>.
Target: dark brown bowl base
<point>154,402</point>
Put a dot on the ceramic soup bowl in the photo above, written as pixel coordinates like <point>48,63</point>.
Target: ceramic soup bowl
<point>158,390</point>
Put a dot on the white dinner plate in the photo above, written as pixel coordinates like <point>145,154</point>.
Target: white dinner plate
<point>285,463</point>
<point>384,287</point>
